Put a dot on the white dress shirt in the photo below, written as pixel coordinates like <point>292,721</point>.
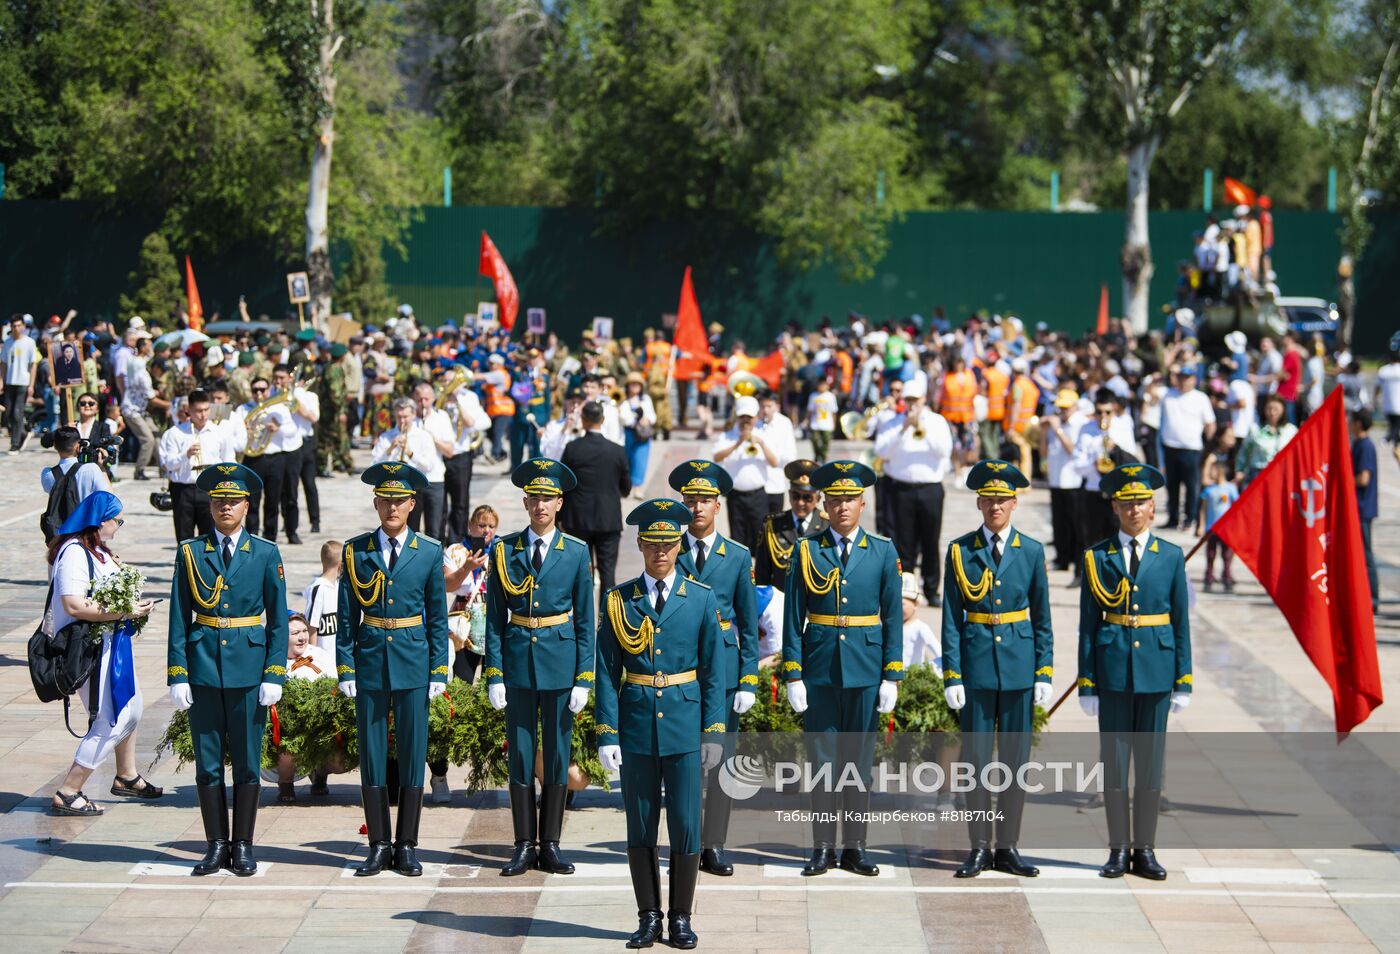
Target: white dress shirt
<point>438,427</point>
<point>419,451</point>
<point>748,469</point>
<point>690,541</point>
<point>383,540</point>
<point>1088,447</point>
<point>472,419</point>
<point>1126,542</point>
<point>1059,463</point>
<point>530,537</point>
<point>175,444</point>
<point>782,441</point>
<point>306,401</point>
<point>556,436</point>
<point>916,460</point>
<point>1004,537</point>
<point>1185,415</point>
<point>651,582</point>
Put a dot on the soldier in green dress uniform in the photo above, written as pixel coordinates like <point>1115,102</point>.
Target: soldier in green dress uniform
<point>727,569</point>
<point>661,694</point>
<point>1134,662</point>
<point>539,657</point>
<point>392,653</point>
<point>781,531</point>
<point>843,648</point>
<point>227,660</point>
<point>997,654</point>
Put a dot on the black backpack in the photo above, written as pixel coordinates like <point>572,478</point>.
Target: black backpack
<point>60,663</point>
<point>63,500</point>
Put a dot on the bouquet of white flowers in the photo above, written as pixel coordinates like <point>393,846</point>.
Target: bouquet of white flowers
<point>119,592</point>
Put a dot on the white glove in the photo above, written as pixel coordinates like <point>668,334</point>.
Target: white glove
<point>956,697</point>
<point>797,696</point>
<point>180,696</point>
<point>578,698</point>
<point>1180,700</point>
<point>436,689</point>
<point>347,688</point>
<point>743,701</point>
<point>1041,694</point>
<point>269,693</point>
<point>497,694</point>
<point>1090,705</point>
<point>889,693</point>
<point>610,756</point>
<point>710,755</point>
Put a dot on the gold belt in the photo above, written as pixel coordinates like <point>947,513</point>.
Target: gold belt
<point>1134,621</point>
<point>823,620</point>
<point>535,622</point>
<point>659,680</point>
<point>996,619</point>
<point>384,622</point>
<point>227,622</point>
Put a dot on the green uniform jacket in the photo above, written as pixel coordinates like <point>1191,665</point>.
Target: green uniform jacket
<point>729,574</point>
<point>850,656</point>
<point>670,720</point>
<point>227,657</point>
<point>381,659</point>
<point>774,554</point>
<point>548,657</point>
<point>1117,658</point>
<point>1005,655</point>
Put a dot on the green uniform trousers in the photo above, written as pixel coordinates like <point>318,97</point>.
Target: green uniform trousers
<point>1133,727</point>
<point>410,707</point>
<point>840,725</point>
<point>644,777</point>
<point>226,720</point>
<point>999,715</point>
<point>527,710</point>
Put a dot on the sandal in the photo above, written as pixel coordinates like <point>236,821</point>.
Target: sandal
<point>136,787</point>
<point>67,808</point>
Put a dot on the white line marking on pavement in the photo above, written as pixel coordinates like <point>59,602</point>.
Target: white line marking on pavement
<point>1050,873</point>
<point>165,869</point>
<point>431,869</point>
<point>242,885</point>
<point>1252,876</point>
<point>887,872</point>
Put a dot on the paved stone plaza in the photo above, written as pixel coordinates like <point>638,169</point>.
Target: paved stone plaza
<point>121,882</point>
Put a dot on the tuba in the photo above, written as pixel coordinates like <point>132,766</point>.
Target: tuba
<point>257,423</point>
<point>447,387</point>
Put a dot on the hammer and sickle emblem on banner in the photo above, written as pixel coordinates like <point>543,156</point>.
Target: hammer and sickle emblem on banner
<point>1311,511</point>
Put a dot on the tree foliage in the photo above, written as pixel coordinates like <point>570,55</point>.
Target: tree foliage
<point>155,284</point>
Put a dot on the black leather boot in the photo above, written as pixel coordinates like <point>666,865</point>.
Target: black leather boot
<point>553,800</point>
<point>979,833</point>
<point>406,835</point>
<point>522,814</point>
<point>1115,804</point>
<point>381,853</point>
<point>853,831</point>
<point>823,834</point>
<point>213,810</point>
<point>245,816</point>
<point>684,873</point>
<point>1010,804</point>
<point>1144,863</point>
<point>714,830</point>
<point>646,885</point>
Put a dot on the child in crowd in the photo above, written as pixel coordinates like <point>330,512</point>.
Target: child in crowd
<point>321,595</point>
<point>821,419</point>
<point>305,660</point>
<point>1216,498</point>
<point>920,645</point>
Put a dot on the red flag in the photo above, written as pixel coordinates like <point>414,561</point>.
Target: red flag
<point>770,369</point>
<point>1296,527</point>
<point>507,295</point>
<point>690,339</point>
<point>1101,326</point>
<point>195,309</point>
<point>1237,193</point>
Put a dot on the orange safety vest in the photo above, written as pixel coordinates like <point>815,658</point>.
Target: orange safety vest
<point>657,351</point>
<point>1025,398</point>
<point>998,383</point>
<point>959,388</point>
<point>846,372</point>
<point>498,402</point>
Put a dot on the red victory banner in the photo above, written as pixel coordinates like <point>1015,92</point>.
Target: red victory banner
<point>193,307</point>
<point>1101,324</point>
<point>694,358</point>
<point>1237,193</point>
<point>1296,527</point>
<point>770,369</point>
<point>507,295</point>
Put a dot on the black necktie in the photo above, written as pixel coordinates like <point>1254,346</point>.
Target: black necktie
<point>1133,560</point>
<point>660,596</point>
<point>538,560</point>
<point>845,550</point>
<point>228,552</point>
<point>699,556</point>
<point>393,553</point>
<point>996,549</point>
<point>801,526</point>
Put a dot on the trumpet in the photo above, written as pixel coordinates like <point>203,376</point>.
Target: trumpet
<point>1105,462</point>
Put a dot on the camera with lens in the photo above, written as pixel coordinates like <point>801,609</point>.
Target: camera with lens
<point>88,450</point>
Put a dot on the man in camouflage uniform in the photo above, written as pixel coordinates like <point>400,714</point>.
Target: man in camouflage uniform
<point>240,379</point>
<point>333,429</point>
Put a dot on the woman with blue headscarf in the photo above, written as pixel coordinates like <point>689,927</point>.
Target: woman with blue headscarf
<point>80,555</point>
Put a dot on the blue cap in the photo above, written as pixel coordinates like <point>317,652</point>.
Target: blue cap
<point>996,478</point>
<point>229,480</point>
<point>394,479</point>
<point>704,478</point>
<point>843,478</point>
<point>659,520</point>
<point>1132,482</point>
<point>92,511</point>
<point>543,477</point>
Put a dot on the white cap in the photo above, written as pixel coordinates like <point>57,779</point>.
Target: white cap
<point>1236,342</point>
<point>1019,366</point>
<point>1241,211</point>
<point>746,405</point>
<point>136,322</point>
<point>909,587</point>
<point>916,387</point>
<point>496,359</point>
<point>214,358</point>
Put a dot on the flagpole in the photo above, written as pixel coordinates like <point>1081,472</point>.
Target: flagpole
<point>1061,701</point>
<point>1199,543</point>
